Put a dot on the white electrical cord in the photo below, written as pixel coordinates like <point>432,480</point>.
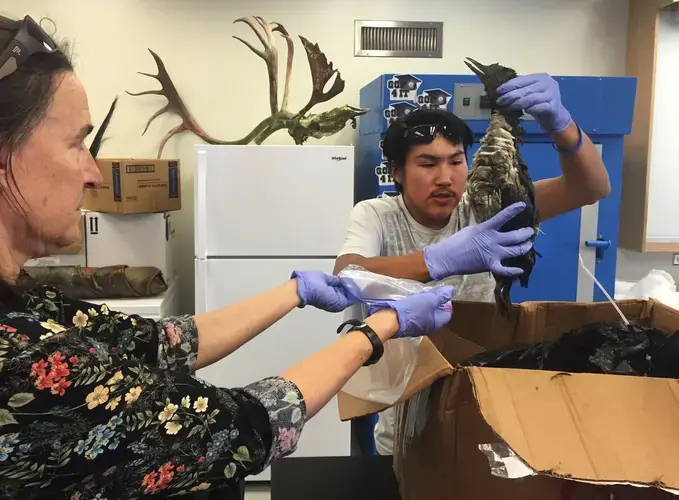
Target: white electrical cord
<point>596,281</point>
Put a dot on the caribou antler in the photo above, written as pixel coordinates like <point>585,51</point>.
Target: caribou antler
<point>269,54</point>
<point>288,68</point>
<point>300,126</point>
<point>321,73</point>
<point>175,104</point>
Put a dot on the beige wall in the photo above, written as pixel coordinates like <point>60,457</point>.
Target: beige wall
<point>225,85</point>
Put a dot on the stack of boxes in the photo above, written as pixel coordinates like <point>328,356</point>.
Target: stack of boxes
<point>128,220</point>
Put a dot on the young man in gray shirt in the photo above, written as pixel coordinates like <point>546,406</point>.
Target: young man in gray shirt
<point>420,235</point>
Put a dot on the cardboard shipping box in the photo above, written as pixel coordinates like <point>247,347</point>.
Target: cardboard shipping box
<point>544,435</point>
<point>136,186</point>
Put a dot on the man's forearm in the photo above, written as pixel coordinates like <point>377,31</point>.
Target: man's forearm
<point>584,172</point>
<point>409,266</point>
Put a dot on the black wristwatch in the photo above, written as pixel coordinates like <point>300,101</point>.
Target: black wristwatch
<point>378,346</point>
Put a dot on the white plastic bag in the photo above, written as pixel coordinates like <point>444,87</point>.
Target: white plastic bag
<point>657,284</point>
<point>654,285</point>
<point>385,381</point>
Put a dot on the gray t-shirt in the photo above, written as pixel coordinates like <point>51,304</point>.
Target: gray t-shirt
<point>383,227</point>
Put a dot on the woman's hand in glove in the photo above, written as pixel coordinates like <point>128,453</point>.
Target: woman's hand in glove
<point>419,314</point>
<point>322,291</point>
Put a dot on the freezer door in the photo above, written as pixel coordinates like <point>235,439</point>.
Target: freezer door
<point>300,334</point>
<point>291,201</point>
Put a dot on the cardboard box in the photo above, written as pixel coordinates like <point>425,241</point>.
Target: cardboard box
<point>133,240</point>
<point>136,186</point>
<point>571,435</point>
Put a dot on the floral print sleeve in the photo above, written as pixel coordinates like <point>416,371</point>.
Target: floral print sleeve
<point>93,407</point>
<point>171,343</point>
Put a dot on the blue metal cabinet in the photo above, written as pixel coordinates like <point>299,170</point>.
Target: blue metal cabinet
<point>602,106</point>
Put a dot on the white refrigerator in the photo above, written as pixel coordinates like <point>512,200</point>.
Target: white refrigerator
<point>260,213</point>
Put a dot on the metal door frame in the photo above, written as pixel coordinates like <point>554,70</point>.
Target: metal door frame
<point>589,231</point>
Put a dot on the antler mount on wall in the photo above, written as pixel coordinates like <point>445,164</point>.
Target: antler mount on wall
<point>300,125</point>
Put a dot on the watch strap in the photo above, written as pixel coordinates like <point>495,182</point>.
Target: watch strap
<point>377,345</point>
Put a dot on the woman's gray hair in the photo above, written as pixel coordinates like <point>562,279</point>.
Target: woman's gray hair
<point>25,96</point>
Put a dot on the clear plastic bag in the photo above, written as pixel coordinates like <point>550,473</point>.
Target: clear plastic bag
<point>385,381</point>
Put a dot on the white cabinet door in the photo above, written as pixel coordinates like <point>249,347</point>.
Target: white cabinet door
<point>303,332</point>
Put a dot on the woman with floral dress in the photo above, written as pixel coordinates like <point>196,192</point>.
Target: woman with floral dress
<point>98,404</point>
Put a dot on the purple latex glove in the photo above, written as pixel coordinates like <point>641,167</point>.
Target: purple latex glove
<point>538,94</point>
<point>322,291</point>
<point>480,248</point>
<point>419,314</point>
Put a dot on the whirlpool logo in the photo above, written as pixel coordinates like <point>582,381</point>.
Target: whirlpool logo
<point>339,158</point>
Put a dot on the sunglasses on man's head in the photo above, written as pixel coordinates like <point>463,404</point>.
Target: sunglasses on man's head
<point>424,134</point>
<point>31,39</point>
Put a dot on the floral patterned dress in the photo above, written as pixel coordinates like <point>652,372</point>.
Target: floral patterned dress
<point>95,404</point>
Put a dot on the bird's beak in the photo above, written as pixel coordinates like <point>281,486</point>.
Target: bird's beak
<point>477,68</point>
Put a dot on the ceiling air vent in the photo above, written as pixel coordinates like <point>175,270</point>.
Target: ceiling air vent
<point>398,39</point>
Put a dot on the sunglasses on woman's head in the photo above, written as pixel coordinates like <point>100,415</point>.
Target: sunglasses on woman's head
<point>31,39</point>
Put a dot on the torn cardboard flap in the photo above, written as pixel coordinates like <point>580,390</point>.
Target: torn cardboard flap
<point>431,366</point>
<point>601,429</point>
<point>475,328</point>
<point>596,428</point>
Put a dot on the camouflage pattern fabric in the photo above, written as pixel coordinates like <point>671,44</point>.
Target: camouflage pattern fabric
<point>109,282</point>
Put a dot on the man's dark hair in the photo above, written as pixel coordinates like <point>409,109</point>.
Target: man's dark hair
<point>396,147</point>
<point>25,96</point>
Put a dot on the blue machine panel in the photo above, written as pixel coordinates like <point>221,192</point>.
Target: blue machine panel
<point>602,106</point>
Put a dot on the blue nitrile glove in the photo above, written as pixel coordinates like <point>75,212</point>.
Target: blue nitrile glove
<point>538,94</point>
<point>322,291</point>
<point>480,248</point>
<point>419,314</point>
